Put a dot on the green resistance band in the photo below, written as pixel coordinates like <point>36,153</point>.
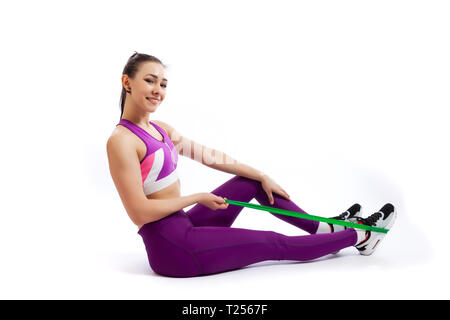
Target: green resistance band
<point>307,216</point>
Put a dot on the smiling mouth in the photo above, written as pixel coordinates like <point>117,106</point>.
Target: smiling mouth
<point>154,101</point>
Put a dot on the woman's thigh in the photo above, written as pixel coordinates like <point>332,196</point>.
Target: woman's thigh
<point>166,248</point>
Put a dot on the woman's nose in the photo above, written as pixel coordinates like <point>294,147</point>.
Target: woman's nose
<point>156,91</point>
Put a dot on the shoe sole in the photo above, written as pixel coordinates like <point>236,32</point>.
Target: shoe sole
<point>373,245</point>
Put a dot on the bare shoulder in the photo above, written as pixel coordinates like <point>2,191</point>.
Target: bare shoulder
<point>120,138</point>
<point>166,127</point>
<point>120,133</point>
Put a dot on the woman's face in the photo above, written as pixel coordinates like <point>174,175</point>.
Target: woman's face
<point>148,88</point>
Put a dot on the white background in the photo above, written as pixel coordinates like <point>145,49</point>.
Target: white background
<point>338,101</point>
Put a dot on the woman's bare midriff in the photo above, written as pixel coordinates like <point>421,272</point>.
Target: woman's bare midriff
<point>172,191</point>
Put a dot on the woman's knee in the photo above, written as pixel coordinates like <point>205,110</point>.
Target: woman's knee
<point>250,183</point>
<point>238,187</point>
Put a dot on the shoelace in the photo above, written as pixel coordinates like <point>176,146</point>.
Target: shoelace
<point>342,216</point>
<point>371,220</point>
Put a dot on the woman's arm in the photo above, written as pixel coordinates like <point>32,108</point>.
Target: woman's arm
<point>220,161</point>
<point>211,158</point>
<point>155,209</point>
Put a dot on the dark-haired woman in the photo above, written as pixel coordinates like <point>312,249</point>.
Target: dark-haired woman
<point>143,155</point>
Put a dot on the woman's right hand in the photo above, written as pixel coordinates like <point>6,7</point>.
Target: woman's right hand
<point>212,201</point>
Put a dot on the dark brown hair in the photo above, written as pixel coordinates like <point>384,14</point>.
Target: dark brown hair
<point>131,68</point>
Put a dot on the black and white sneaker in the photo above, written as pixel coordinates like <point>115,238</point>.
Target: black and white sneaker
<point>384,218</point>
<point>351,215</point>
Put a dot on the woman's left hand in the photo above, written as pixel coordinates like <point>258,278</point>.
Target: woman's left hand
<point>270,186</point>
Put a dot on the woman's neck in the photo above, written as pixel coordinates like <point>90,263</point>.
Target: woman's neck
<point>141,119</point>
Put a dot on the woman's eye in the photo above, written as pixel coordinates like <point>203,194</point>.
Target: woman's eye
<point>151,81</point>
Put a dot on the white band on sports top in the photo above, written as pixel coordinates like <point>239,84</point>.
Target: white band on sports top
<point>154,186</point>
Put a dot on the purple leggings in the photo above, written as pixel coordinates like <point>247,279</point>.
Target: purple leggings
<point>201,241</point>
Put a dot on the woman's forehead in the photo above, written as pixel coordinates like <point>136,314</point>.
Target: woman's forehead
<point>154,68</point>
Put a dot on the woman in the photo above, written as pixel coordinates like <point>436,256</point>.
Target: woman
<point>143,158</point>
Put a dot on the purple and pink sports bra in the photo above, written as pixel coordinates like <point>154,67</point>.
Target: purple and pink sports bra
<point>159,165</point>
